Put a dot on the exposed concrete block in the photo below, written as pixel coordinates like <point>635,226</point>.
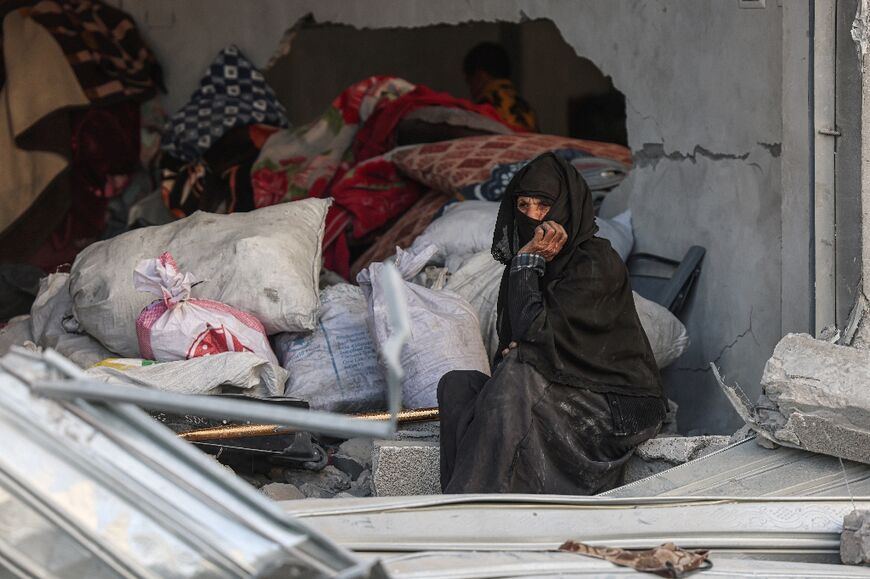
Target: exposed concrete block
<point>406,468</point>
<point>855,540</point>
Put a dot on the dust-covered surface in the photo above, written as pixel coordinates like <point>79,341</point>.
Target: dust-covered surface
<point>814,397</point>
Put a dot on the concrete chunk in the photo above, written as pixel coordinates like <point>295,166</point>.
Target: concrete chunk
<point>815,397</point>
<point>855,540</point>
<point>282,492</point>
<point>679,449</point>
<point>812,376</point>
<point>401,468</point>
<point>358,449</point>
<point>664,452</point>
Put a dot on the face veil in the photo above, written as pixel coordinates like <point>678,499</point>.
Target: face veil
<point>553,179</point>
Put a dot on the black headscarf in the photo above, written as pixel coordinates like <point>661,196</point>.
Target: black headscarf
<point>590,335</point>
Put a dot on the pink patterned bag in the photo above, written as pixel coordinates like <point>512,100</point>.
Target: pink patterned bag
<point>176,327</point>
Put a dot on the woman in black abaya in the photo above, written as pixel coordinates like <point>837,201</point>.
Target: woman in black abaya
<point>575,388</point>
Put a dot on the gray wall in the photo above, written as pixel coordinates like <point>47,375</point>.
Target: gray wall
<point>563,76</point>
<point>703,87</point>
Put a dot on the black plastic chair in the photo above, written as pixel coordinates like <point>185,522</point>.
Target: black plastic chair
<point>666,281</point>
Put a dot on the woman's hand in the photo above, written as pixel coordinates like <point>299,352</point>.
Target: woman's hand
<point>507,350</point>
<point>550,238</point>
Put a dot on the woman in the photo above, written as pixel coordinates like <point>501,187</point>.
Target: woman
<point>575,387</point>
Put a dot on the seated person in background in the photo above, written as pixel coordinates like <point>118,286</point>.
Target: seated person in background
<point>576,388</point>
<point>487,71</point>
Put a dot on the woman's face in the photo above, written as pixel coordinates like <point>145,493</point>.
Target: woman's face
<point>533,207</point>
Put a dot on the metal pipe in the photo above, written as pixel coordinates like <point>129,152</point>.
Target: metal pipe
<point>405,416</point>
<point>255,430</point>
<point>213,407</point>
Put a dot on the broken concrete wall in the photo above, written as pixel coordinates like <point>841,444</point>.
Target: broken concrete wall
<point>703,87</point>
<point>431,56</point>
<point>814,397</point>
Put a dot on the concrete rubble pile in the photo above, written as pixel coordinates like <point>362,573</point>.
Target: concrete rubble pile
<point>814,397</point>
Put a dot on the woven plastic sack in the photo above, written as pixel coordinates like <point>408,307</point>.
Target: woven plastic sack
<point>445,332</point>
<point>176,327</point>
<point>335,367</point>
<point>264,262</point>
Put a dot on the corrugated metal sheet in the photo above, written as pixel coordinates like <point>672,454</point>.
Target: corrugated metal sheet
<point>804,529</point>
<point>748,470</point>
<point>102,490</point>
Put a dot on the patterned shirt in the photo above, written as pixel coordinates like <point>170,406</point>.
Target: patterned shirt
<point>502,94</point>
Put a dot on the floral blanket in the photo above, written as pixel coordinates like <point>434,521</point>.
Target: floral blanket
<point>346,154</point>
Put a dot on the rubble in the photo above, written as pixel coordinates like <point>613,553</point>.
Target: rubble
<point>855,540</point>
<point>354,457</point>
<point>347,465</point>
<point>680,449</point>
<point>362,486</point>
<point>282,492</point>
<point>322,484</point>
<point>664,452</point>
<point>814,397</point>
<point>406,467</point>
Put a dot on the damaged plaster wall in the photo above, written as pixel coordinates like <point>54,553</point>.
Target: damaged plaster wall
<point>703,88</point>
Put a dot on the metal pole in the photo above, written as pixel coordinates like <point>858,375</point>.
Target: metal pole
<point>255,430</point>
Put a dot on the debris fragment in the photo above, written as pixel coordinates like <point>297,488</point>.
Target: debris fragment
<point>666,560</point>
<point>855,540</point>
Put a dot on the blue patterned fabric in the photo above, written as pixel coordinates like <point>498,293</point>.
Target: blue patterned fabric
<point>493,189</point>
<point>231,94</point>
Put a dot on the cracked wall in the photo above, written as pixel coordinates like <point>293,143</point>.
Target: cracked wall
<point>703,93</point>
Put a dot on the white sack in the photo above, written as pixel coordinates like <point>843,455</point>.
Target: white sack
<point>666,334</point>
<point>467,228</point>
<point>16,333</point>
<point>335,367</point>
<point>478,282</point>
<point>618,232</point>
<point>464,228</point>
<point>445,332</point>
<point>53,325</point>
<point>265,262</point>
<point>230,372</point>
<point>176,327</point>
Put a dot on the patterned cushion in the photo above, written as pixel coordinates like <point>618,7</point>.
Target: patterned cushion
<point>450,166</point>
